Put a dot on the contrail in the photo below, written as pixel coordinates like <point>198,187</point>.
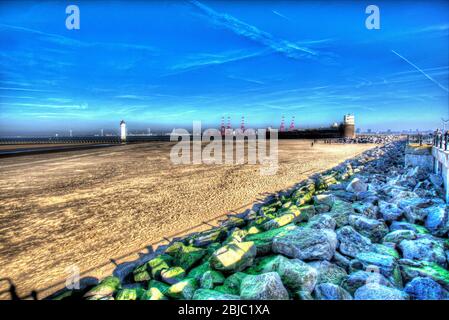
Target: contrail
<point>420,70</point>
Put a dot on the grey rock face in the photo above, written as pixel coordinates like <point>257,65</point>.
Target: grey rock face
<point>379,292</point>
<point>437,220</point>
<point>399,235</point>
<point>330,291</point>
<point>371,228</point>
<point>328,272</point>
<point>306,244</point>
<point>389,211</point>
<point>423,249</point>
<point>266,286</point>
<point>360,278</point>
<point>425,289</point>
<point>357,185</point>
<point>352,242</point>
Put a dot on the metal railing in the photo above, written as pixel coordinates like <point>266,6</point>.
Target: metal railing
<point>421,139</point>
<point>440,141</point>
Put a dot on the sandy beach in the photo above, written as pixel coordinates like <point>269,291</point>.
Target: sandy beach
<point>84,208</point>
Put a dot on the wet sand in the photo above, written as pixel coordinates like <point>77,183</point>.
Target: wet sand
<point>87,207</point>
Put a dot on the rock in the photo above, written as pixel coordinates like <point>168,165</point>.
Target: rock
<point>324,202</point>
<point>341,211</point>
<point>399,235</point>
<point>357,185</point>
<point>367,210</point>
<point>183,289</point>
<point>208,237</point>
<point>400,225</point>
<point>235,256</point>
<point>210,279</point>
<point>160,286</point>
<point>206,294</point>
<point>423,250</point>
<point>158,264</point>
<point>343,195</point>
<point>153,294</point>
<point>387,249</point>
<point>141,273</point>
<point>352,242</point>
<point>264,240</point>
<point>386,265</point>
<point>360,278</point>
<point>197,272</point>
<point>411,269</point>
<point>390,211</point>
<point>107,287</point>
<point>267,286</point>
<point>414,208</point>
<point>129,294</point>
<point>322,221</point>
<point>330,291</point>
<point>295,274</point>
<point>436,180</point>
<point>379,292</point>
<point>172,275</point>
<point>328,272</point>
<point>437,220</point>
<point>185,256</point>
<point>371,228</point>
<point>341,261</point>
<point>425,289</point>
<point>233,282</point>
<point>306,244</point>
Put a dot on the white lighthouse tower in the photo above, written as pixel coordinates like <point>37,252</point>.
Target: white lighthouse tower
<point>123,131</point>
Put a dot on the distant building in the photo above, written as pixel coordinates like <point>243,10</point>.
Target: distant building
<point>349,126</point>
<point>122,131</point>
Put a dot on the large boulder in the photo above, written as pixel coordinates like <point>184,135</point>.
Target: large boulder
<point>390,211</point>
<point>328,272</point>
<point>437,220</point>
<point>295,274</point>
<point>172,275</point>
<point>379,292</point>
<point>183,289</point>
<point>385,264</point>
<point>323,202</point>
<point>411,269</point>
<point>352,242</point>
<point>211,278</point>
<point>307,244</point>
<point>234,256</point>
<point>360,278</point>
<point>423,249</point>
<point>357,185</point>
<point>425,289</point>
<point>207,294</point>
<point>266,286</point>
<point>185,256</point>
<point>331,291</point>
<point>371,228</point>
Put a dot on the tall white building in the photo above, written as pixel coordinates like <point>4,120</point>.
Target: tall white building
<point>122,131</point>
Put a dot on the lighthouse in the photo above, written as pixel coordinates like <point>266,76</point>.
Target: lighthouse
<point>123,131</point>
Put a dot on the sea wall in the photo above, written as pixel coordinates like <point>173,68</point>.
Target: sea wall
<point>370,228</point>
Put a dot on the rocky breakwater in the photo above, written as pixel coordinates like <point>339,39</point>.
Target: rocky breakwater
<point>367,229</point>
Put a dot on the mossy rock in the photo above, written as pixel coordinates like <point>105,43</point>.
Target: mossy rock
<point>172,274</point>
<point>208,237</point>
<point>197,272</point>
<point>162,287</point>
<point>207,294</point>
<point>385,250</point>
<point>263,240</point>
<point>279,222</point>
<point>232,283</point>
<point>107,287</point>
<point>130,294</point>
<point>233,222</point>
<point>153,294</point>
<point>185,256</point>
<point>236,235</point>
<point>211,278</point>
<point>253,230</point>
<point>184,289</point>
<point>158,264</point>
<point>142,273</point>
<point>413,269</point>
<point>234,256</point>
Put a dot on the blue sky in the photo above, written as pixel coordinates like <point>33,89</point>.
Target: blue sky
<point>167,63</point>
